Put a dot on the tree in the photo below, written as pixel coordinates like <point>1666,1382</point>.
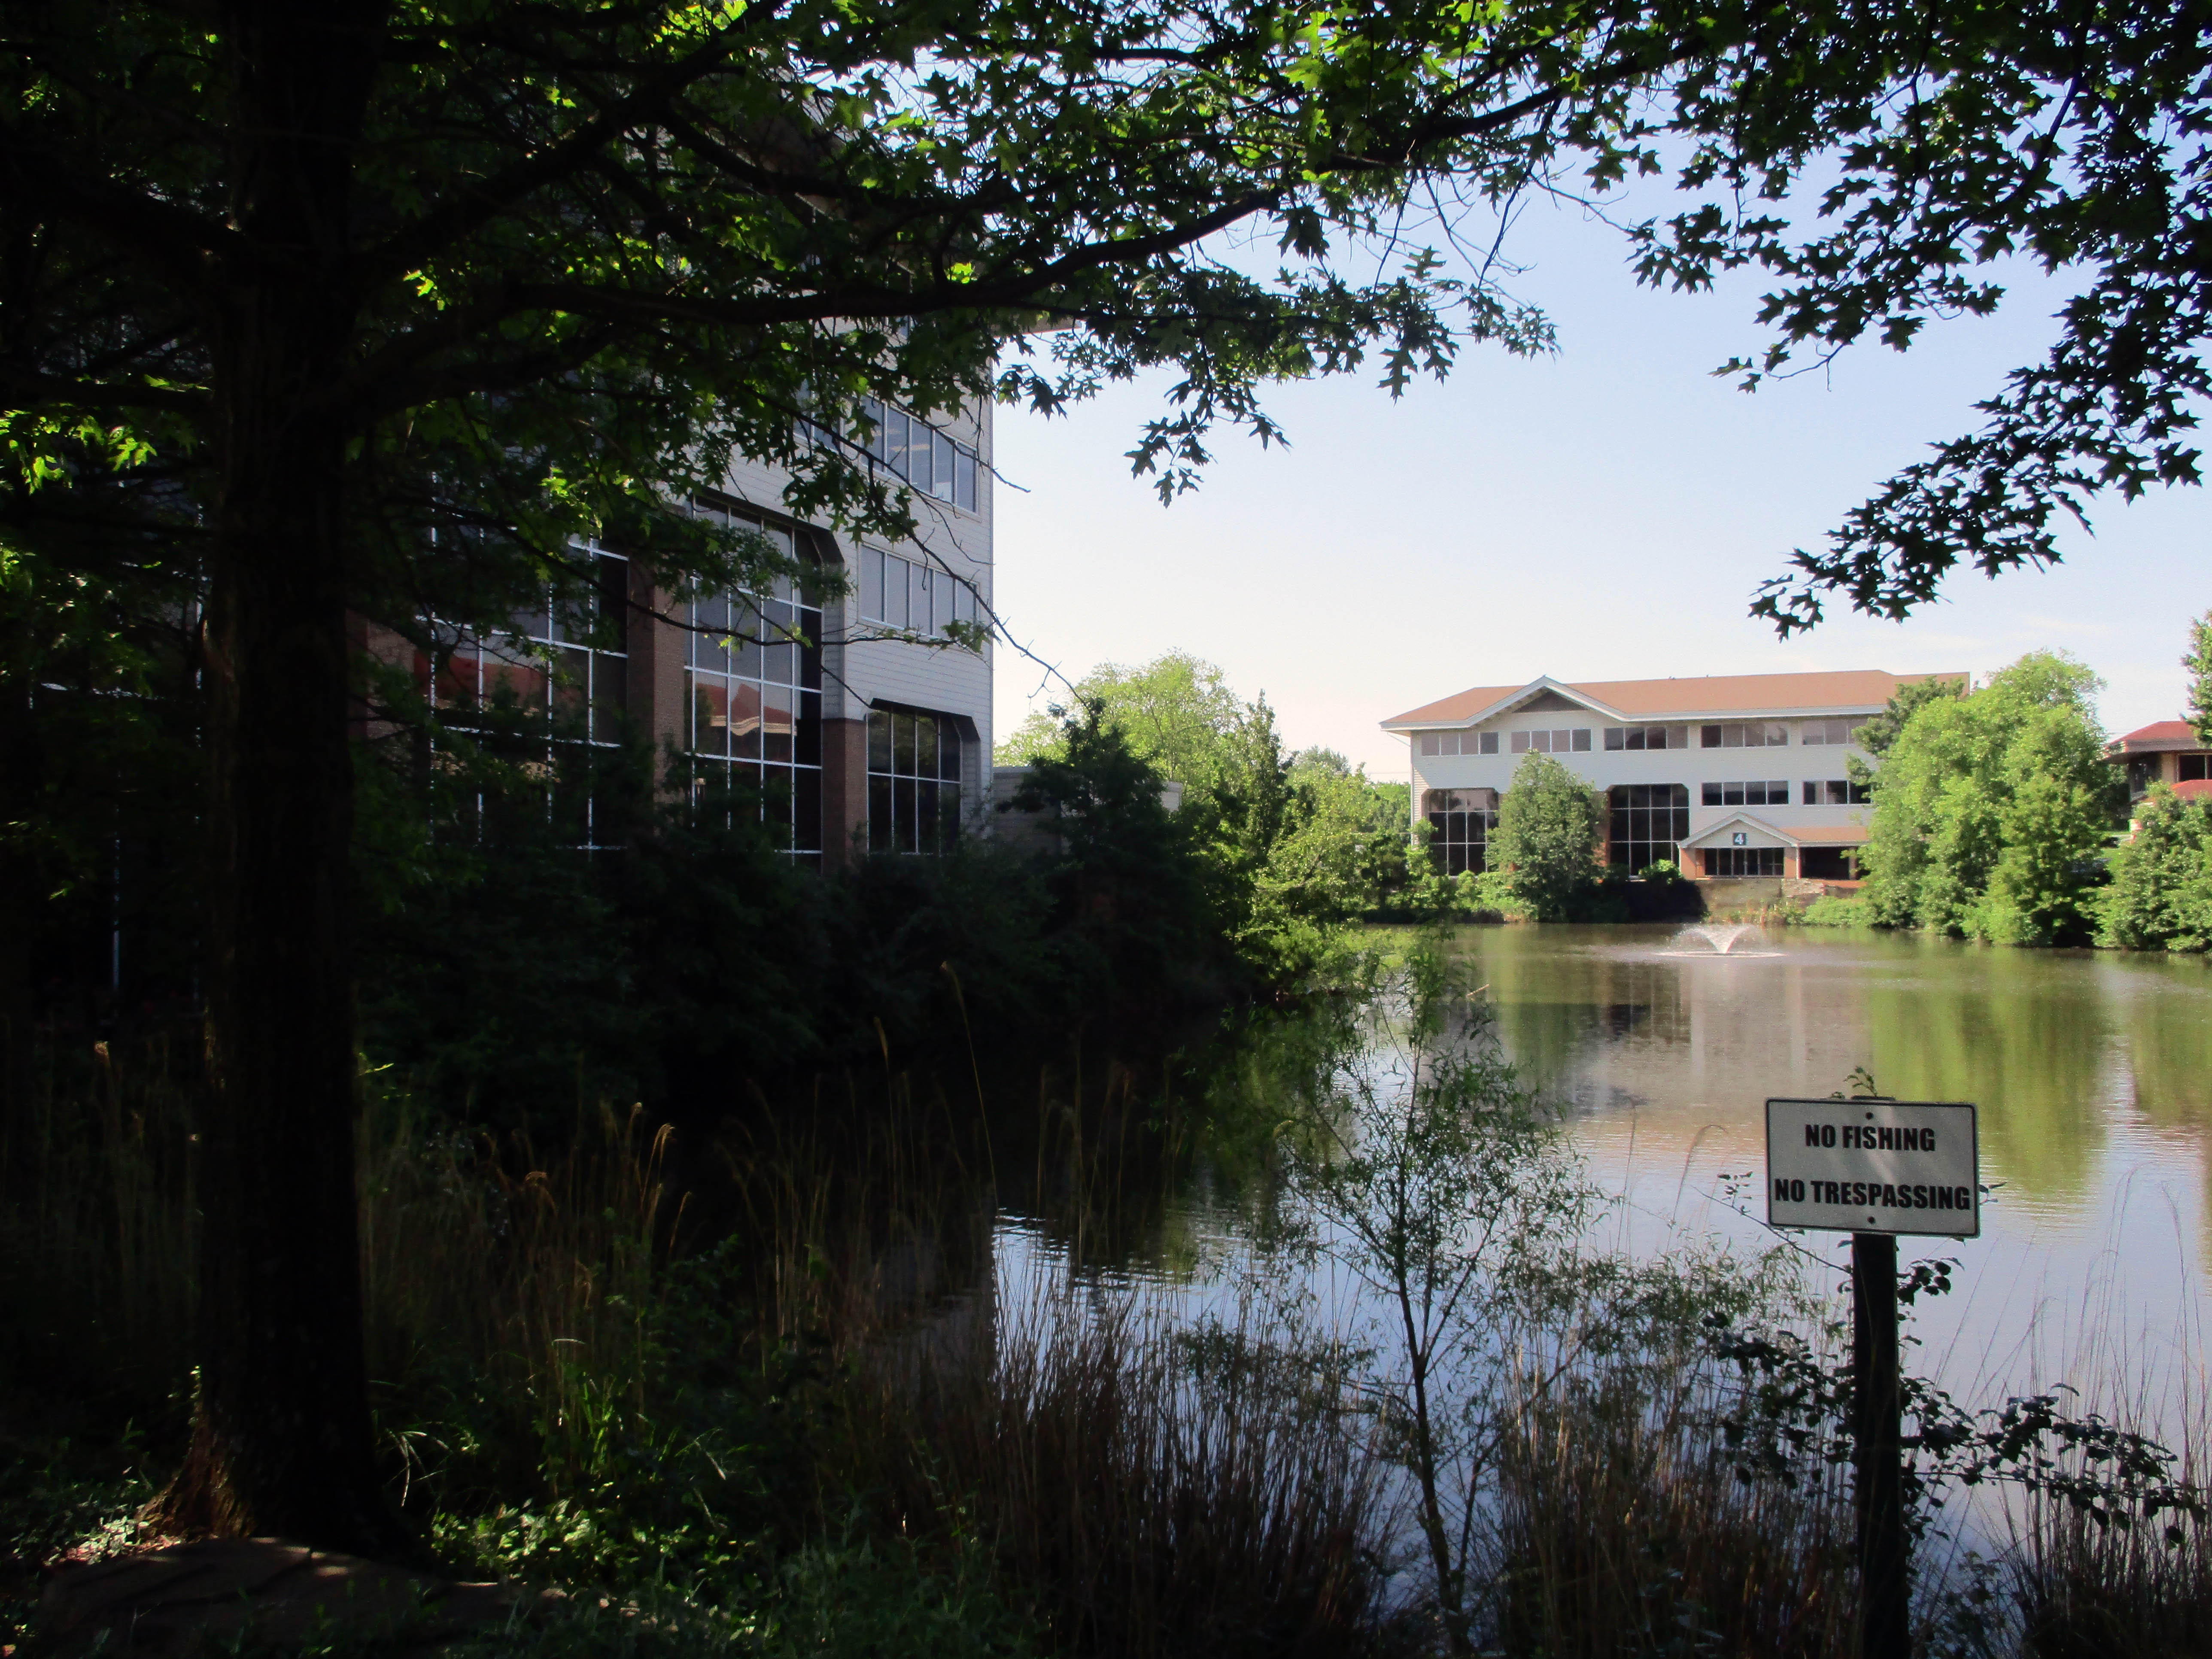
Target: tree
<point>1879,735</point>
<point>2198,661</point>
<point>1175,710</point>
<point>1297,844</point>
<point>1446,1194</point>
<point>1549,826</point>
<point>1989,809</point>
<point>2161,899</point>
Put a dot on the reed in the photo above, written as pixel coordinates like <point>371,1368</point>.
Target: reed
<point>1625,1528</point>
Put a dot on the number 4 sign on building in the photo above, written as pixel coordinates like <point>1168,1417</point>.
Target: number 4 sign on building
<point>1874,1169</point>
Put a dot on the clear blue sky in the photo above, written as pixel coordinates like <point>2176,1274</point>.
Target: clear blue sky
<point>1601,514</point>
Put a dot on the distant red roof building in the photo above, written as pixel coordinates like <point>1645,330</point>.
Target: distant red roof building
<point>2165,752</point>
<point>2159,737</point>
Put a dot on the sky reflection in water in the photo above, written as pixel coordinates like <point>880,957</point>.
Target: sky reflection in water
<point>2092,1071</point>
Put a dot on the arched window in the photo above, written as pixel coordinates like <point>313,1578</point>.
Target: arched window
<point>1460,823</point>
<point>1649,821</point>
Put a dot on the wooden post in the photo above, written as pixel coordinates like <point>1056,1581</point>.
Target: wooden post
<point>1885,1630</point>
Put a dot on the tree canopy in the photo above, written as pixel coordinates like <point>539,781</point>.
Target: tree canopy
<point>2197,659</point>
<point>1989,809</point>
<point>1549,825</point>
<point>1292,843</point>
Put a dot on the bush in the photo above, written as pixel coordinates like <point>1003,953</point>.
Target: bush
<point>1834,912</point>
<point>2160,896</point>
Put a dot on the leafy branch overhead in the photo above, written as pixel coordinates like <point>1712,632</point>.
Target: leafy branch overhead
<point>673,229</point>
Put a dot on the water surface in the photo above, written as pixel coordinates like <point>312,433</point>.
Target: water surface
<point>2092,1071</point>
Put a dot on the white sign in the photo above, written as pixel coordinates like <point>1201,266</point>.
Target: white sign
<point>1874,1166</point>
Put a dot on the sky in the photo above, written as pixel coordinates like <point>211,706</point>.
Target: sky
<point>1601,514</point>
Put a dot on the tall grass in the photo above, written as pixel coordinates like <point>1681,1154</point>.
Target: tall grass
<point>714,1366</point>
<point>97,1223</point>
<point>1626,1527</point>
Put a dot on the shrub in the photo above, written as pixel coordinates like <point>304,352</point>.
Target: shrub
<point>1834,912</point>
<point>2160,896</point>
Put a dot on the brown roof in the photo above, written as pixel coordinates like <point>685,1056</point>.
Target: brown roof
<point>2194,788</point>
<point>1844,691</point>
<point>2159,736</point>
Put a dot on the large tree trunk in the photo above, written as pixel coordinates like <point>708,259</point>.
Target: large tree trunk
<point>281,1439</point>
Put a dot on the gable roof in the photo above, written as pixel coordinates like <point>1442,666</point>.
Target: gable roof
<point>1851,691</point>
<point>2159,736</point>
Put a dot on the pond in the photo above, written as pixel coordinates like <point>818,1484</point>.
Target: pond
<point>2092,1071</point>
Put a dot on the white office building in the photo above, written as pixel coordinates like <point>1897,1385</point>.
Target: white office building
<point>1726,776</point>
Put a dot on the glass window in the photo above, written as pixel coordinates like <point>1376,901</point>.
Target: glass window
<point>755,696</point>
<point>941,466</point>
<point>896,586</point>
<point>1812,733</point>
<point>1461,822</point>
<point>1649,821</point>
<point>2188,769</point>
<point>914,781</point>
<point>555,674</point>
<point>1582,739</point>
<point>1490,743</point>
<point>963,477</point>
<point>1521,742</point>
<point>1743,860</point>
<point>872,584</point>
<point>921,457</point>
<point>1616,737</point>
<point>1834,791</point>
<point>1431,743</point>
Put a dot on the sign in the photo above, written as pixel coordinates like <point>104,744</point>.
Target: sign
<point>1874,1166</point>
<point>1739,838</point>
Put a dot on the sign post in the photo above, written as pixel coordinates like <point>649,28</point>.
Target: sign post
<point>1875,1169</point>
